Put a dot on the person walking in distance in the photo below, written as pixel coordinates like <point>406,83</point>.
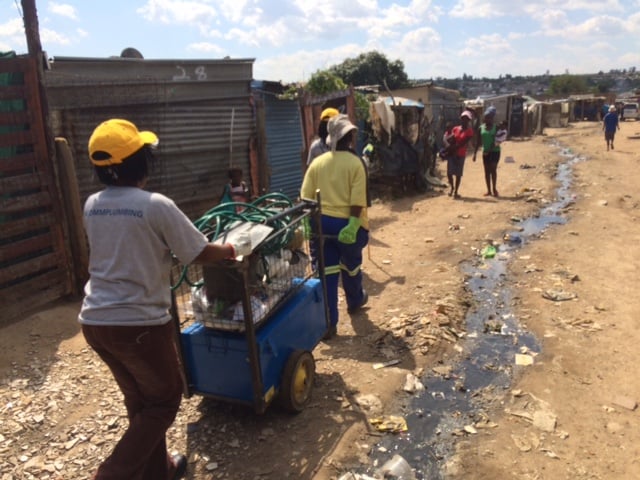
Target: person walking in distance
<point>610,123</point>
<point>490,141</point>
<point>341,177</point>
<point>458,140</point>
<point>125,318</point>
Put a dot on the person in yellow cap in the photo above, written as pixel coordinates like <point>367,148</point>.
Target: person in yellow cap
<point>319,145</point>
<point>125,318</point>
<point>341,177</point>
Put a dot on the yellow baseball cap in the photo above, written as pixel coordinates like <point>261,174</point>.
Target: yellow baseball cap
<point>327,113</point>
<point>116,139</point>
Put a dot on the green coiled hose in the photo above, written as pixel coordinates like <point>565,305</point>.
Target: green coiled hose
<point>220,218</point>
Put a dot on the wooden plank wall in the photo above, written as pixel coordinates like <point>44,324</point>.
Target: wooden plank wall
<point>34,264</point>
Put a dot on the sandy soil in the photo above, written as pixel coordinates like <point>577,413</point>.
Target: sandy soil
<point>569,415</point>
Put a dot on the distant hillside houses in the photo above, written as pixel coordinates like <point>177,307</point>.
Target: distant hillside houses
<point>622,83</point>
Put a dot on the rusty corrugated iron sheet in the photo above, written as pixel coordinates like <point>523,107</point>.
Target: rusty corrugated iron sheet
<point>200,109</point>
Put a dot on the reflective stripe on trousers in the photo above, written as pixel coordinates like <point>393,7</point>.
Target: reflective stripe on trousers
<point>342,261</point>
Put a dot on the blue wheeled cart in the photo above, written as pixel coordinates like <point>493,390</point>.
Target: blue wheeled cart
<point>248,328</point>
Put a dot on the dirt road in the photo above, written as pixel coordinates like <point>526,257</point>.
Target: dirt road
<point>569,415</point>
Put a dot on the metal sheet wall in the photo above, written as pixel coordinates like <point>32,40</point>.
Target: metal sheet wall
<point>284,145</point>
<point>202,115</point>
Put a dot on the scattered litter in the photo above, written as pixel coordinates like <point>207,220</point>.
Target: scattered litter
<point>509,160</point>
<point>526,165</point>
<point>356,476</point>
<point>397,468</point>
<point>522,443</point>
<point>470,429</point>
<point>512,239</point>
<point>389,423</point>
<point>558,295</point>
<point>435,181</point>
<point>377,366</point>
<point>489,251</point>
<point>521,414</point>
<point>544,420</point>
<point>625,402</point>
<point>369,403</point>
<point>443,370</point>
<point>413,384</point>
<point>524,360</point>
<point>550,453</point>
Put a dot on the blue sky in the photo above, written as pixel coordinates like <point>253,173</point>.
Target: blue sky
<point>291,39</point>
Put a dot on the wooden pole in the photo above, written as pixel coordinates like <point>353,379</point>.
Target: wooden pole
<point>31,28</point>
<point>34,46</point>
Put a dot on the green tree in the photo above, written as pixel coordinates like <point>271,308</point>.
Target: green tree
<point>372,68</point>
<point>324,81</point>
<point>567,85</point>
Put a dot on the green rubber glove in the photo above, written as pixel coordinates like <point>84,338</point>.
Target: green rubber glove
<point>348,233</point>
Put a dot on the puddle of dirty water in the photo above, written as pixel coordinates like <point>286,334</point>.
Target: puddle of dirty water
<point>485,368</point>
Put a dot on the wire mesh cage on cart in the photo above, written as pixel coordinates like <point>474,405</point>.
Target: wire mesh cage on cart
<point>230,295</point>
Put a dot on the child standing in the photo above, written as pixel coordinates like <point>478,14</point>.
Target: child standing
<point>236,190</point>
<point>501,133</point>
<point>447,140</point>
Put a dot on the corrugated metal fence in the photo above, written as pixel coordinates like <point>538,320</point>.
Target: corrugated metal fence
<point>284,145</point>
<point>200,110</point>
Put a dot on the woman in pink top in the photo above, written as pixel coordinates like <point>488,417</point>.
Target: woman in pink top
<point>460,136</point>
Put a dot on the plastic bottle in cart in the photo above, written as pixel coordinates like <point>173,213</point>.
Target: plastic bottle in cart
<point>278,263</point>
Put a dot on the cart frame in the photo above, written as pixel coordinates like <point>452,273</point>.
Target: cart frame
<point>306,209</point>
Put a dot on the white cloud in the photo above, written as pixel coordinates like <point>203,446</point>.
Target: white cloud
<point>51,37</point>
<point>275,35</point>
<point>421,52</point>
<point>12,27</point>
<point>486,46</point>
<point>63,9</point>
<point>535,8</point>
<point>299,66</point>
<point>234,10</point>
<point>205,47</point>
<point>550,18</point>
<point>590,30</point>
<point>12,36</point>
<point>178,12</point>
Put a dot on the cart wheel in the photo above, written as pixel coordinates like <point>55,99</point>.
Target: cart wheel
<point>297,381</point>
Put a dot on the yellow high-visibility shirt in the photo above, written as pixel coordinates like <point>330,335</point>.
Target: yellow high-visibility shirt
<point>342,180</point>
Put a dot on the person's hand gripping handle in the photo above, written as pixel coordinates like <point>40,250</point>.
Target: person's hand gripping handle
<point>241,245</point>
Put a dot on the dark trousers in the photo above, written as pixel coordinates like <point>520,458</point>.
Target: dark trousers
<point>342,261</point>
<point>144,363</point>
